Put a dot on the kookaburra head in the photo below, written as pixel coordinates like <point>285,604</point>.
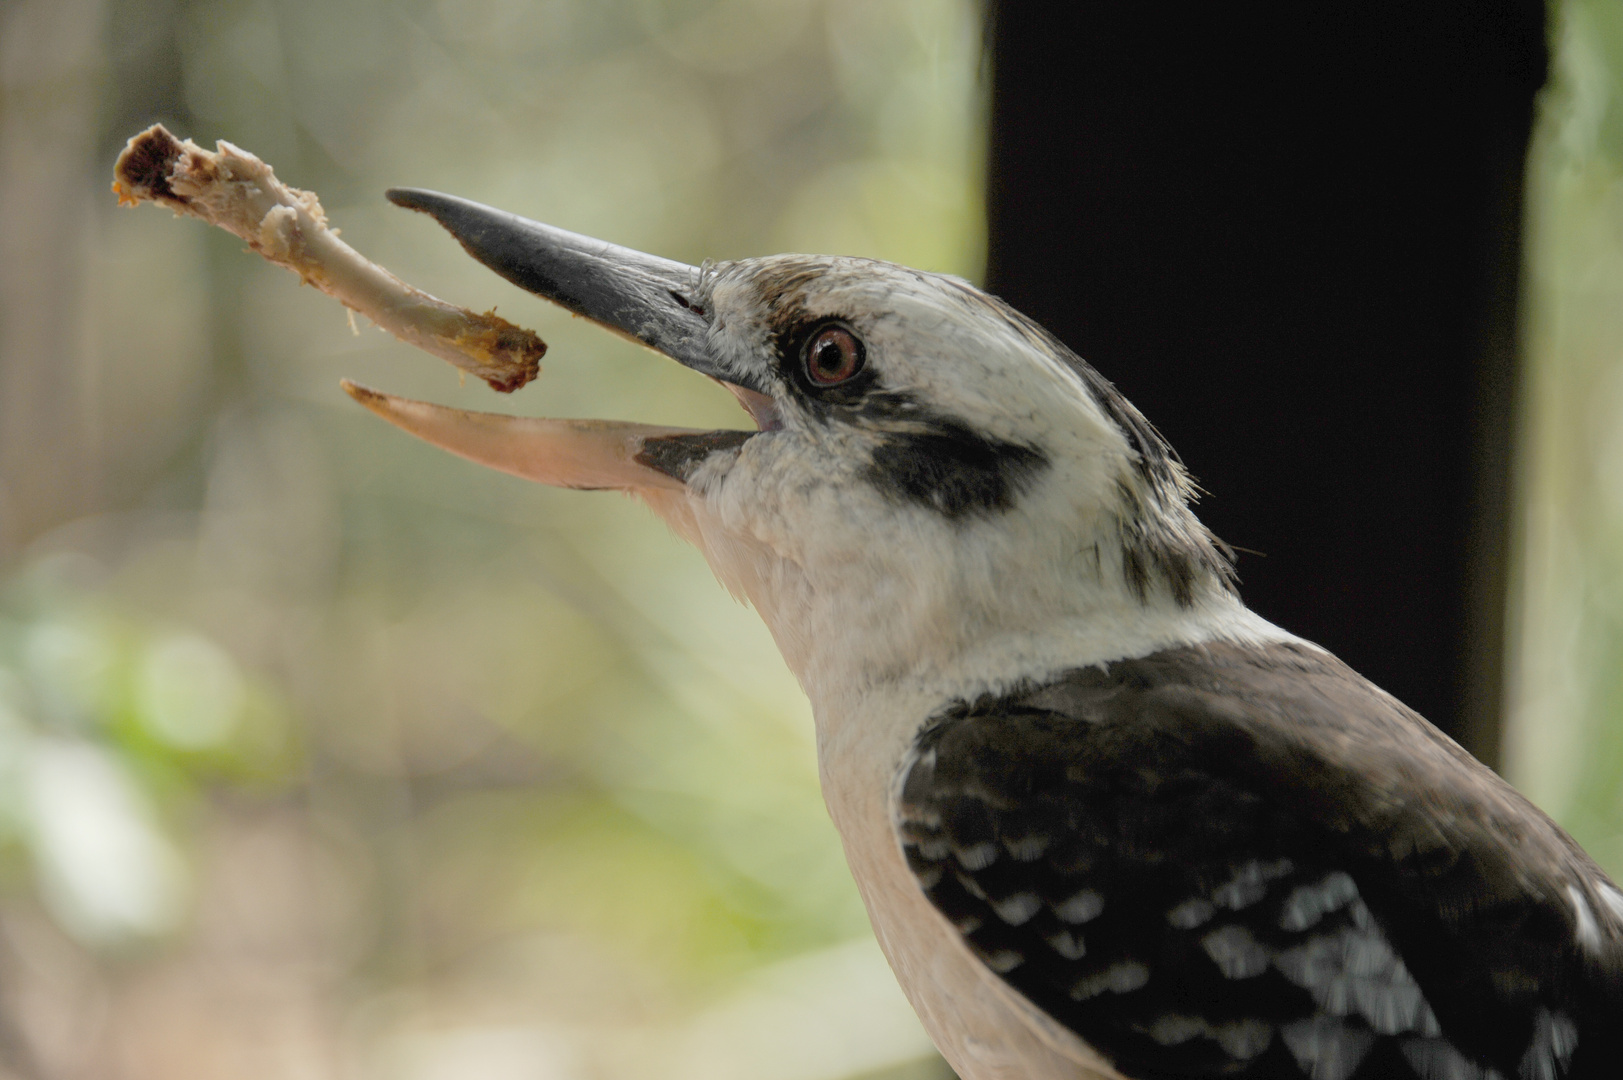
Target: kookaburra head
<point>938,489</point>
<point>1106,821</point>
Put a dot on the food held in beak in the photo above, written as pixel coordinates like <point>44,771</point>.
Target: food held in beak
<point>233,189</point>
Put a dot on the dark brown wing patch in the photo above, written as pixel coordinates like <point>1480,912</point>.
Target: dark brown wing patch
<point>1182,860</point>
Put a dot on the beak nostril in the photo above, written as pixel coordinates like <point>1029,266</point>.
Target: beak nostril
<point>685,304</point>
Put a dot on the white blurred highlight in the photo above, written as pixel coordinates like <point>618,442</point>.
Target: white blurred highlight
<point>189,692</point>
<point>104,870</point>
<point>490,1053</point>
<point>826,1015</point>
<point>831,1014</point>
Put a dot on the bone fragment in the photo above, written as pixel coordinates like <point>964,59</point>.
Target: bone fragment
<point>233,189</point>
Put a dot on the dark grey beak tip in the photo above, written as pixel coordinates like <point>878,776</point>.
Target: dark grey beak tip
<point>414,198</point>
<point>457,215</point>
<point>642,296</point>
<point>494,237</point>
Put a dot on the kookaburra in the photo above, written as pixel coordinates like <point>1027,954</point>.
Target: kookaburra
<point>1106,820</point>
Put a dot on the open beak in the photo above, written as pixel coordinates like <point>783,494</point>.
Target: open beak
<point>586,454</point>
<point>642,297</point>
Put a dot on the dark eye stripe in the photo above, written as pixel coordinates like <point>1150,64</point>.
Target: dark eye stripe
<point>952,470</point>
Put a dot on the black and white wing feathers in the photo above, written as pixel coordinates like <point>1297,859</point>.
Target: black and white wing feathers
<point>1225,861</point>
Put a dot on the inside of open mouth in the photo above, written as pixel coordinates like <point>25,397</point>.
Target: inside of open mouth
<point>760,407</point>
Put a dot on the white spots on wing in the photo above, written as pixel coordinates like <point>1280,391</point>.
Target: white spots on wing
<point>1325,1047</point>
<point>1003,961</point>
<point>1588,932</point>
<point>1395,1008</point>
<point>935,848</point>
<point>1068,945</point>
<point>1236,953</point>
<point>1555,1037</point>
<point>1026,848</point>
<point>1354,970</point>
<point>1175,1030</point>
<point>929,877</point>
<point>1240,1039</point>
<point>1190,914</point>
<point>1083,906</point>
<point>922,815</point>
<point>976,856</point>
<point>1244,1039</point>
<point>968,924</point>
<point>1612,897</point>
<point>1250,883</point>
<point>1119,978</point>
<point>1436,1059</point>
<point>972,887</point>
<point>1307,904</point>
<point>1018,908</point>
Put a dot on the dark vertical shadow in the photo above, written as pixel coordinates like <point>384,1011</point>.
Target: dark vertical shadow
<point>1291,234</point>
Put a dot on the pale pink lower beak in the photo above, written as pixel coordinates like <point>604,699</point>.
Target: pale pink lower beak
<point>585,454</point>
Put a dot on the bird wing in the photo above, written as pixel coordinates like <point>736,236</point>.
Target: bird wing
<point>1238,861</point>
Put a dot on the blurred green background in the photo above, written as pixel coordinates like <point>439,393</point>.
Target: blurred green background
<point>325,754</point>
<point>1564,736</point>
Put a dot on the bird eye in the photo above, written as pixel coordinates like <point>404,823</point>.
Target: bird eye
<point>832,356</point>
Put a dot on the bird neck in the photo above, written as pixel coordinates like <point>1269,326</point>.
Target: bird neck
<point>910,645</point>
<point>951,613</point>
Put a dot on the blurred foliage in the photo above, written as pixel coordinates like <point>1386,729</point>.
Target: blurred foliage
<point>323,753</point>
<point>1565,739</point>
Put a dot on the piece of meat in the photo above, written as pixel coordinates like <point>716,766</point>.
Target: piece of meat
<point>233,189</point>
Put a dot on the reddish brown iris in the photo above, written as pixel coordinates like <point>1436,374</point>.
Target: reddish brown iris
<point>832,356</point>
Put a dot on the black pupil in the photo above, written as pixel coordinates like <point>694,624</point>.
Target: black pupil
<point>829,357</point>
